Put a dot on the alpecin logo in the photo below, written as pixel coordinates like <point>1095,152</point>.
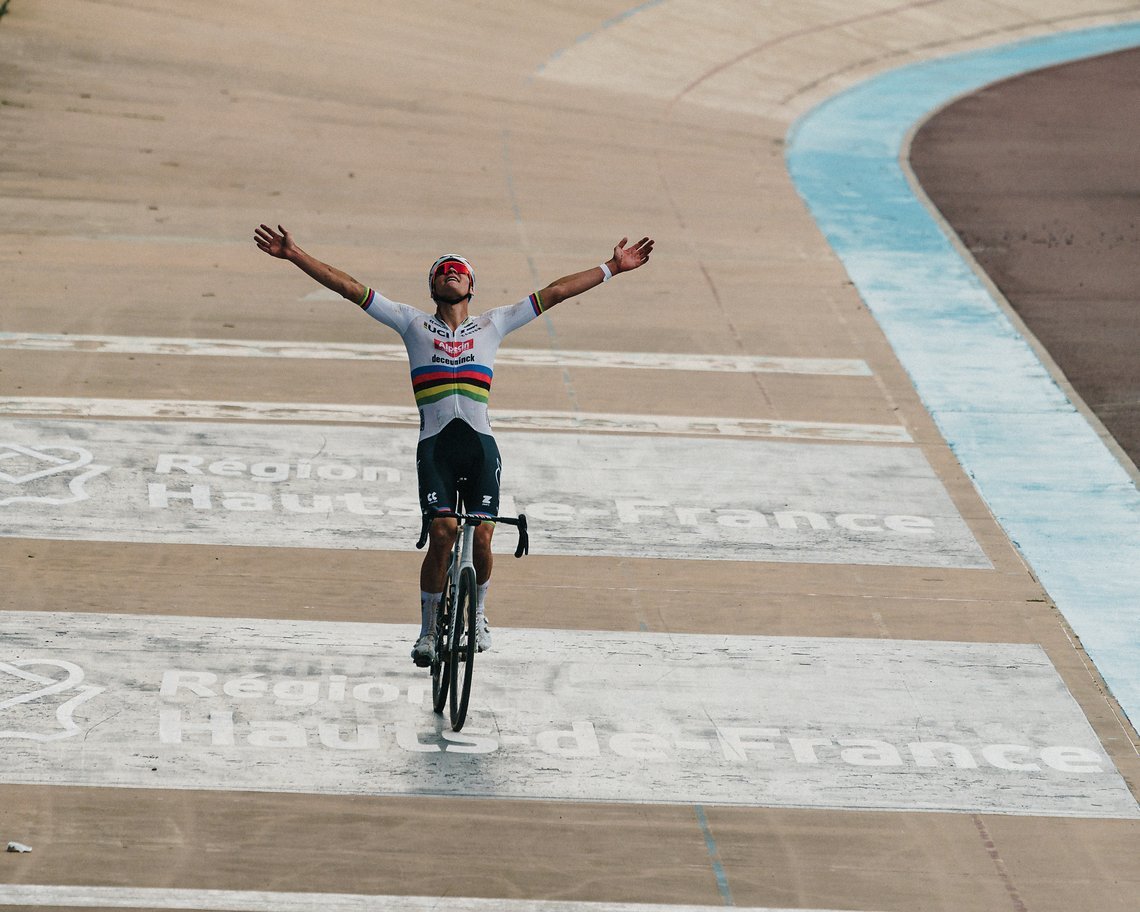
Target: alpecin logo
<point>454,349</point>
<point>38,698</point>
<point>53,475</point>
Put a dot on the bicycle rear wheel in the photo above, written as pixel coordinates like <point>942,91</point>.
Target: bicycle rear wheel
<point>441,667</point>
<point>463,648</point>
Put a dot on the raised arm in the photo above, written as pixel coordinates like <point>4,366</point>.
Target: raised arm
<point>624,259</point>
<point>280,244</point>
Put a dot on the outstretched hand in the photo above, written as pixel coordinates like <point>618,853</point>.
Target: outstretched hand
<point>628,258</point>
<point>277,245</point>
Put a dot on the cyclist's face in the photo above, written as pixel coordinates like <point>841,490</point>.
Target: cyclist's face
<point>452,281</point>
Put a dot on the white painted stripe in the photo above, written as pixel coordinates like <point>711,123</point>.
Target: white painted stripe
<point>33,895</point>
<point>345,486</point>
<point>525,357</point>
<point>314,707</point>
<point>503,419</point>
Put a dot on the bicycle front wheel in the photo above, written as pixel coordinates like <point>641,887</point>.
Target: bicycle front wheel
<point>441,667</point>
<point>463,648</point>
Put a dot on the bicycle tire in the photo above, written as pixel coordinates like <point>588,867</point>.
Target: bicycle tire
<point>463,648</point>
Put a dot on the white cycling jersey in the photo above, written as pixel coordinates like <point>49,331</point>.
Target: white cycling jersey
<point>451,369</point>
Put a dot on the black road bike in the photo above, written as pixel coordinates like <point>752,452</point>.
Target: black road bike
<point>455,635</point>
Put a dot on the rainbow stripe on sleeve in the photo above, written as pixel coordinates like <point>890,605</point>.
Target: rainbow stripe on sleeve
<point>366,301</point>
<point>435,382</point>
<point>536,303</point>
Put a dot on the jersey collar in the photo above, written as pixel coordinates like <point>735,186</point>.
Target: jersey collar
<point>434,318</point>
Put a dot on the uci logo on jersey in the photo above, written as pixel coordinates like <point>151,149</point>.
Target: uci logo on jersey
<point>454,349</point>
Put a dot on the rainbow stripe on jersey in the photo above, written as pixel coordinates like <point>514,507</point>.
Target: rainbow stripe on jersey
<point>451,369</point>
<point>438,381</point>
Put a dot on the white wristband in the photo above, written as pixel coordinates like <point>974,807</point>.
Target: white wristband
<point>606,274</point>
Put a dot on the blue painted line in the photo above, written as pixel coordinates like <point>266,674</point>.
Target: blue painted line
<point>714,856</point>
<point>609,23</point>
<point>1062,497</point>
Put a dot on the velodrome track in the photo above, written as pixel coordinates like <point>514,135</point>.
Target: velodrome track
<point>773,649</point>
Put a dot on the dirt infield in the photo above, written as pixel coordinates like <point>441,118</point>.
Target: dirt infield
<point>1037,175</point>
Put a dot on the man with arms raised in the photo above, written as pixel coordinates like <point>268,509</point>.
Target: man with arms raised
<point>452,355</point>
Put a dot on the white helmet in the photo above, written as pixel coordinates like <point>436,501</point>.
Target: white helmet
<point>449,258</point>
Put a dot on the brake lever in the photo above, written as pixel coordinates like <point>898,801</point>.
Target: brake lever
<point>424,531</point>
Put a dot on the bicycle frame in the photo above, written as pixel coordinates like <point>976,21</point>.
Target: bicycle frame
<point>461,551</point>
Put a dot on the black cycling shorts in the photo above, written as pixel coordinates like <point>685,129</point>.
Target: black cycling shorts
<point>461,459</point>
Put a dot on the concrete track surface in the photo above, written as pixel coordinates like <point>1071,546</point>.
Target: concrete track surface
<point>771,649</point>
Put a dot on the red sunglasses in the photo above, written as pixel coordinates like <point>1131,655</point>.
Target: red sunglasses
<point>452,266</point>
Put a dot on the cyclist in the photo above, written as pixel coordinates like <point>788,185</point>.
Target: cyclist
<point>452,355</point>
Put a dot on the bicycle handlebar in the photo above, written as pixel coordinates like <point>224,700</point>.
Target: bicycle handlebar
<point>518,521</point>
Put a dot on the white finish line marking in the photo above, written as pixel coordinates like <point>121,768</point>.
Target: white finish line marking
<point>406,416</point>
<point>522,357</point>
<point>288,706</point>
<point>315,486</point>
<point>261,901</point>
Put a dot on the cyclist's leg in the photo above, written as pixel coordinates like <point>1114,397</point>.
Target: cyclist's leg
<point>482,495</point>
<point>436,494</point>
<point>441,538</point>
<point>481,555</point>
<point>485,493</point>
<point>436,473</point>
